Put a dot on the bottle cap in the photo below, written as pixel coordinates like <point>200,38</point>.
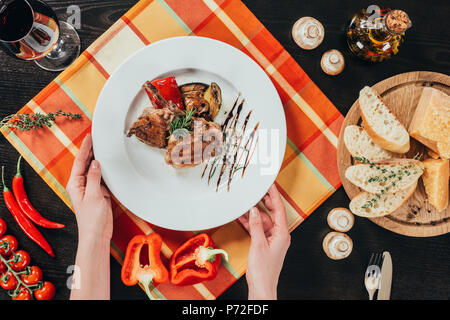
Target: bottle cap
<point>397,21</point>
<point>308,33</point>
<point>332,62</point>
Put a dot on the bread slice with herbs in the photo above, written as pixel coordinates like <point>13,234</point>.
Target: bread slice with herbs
<point>386,176</point>
<point>360,144</point>
<point>369,205</point>
<point>381,124</point>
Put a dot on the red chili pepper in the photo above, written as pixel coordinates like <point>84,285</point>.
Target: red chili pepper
<point>132,270</point>
<point>25,204</point>
<point>25,224</point>
<point>168,88</point>
<point>195,261</point>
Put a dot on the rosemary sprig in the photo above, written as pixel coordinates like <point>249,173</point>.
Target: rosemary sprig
<point>27,122</point>
<point>182,122</point>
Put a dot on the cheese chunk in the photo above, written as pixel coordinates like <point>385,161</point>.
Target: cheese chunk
<point>443,149</point>
<point>433,154</point>
<point>435,179</point>
<point>431,119</point>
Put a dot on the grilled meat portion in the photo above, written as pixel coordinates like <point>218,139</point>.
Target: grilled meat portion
<point>196,140</point>
<point>204,142</point>
<point>152,127</point>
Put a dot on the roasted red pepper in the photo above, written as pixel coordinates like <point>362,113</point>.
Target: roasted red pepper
<point>25,204</point>
<point>195,261</point>
<point>132,270</point>
<point>24,223</point>
<point>168,88</point>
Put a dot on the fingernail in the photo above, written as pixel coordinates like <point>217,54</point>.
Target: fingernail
<point>253,212</point>
<point>95,164</point>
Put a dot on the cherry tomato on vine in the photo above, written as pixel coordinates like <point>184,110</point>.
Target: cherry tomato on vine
<point>8,281</point>
<point>2,227</point>
<point>47,292</point>
<point>24,294</point>
<point>23,260</point>
<point>2,267</point>
<point>12,244</point>
<point>33,276</point>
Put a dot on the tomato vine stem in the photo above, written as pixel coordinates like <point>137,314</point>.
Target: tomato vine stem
<point>16,274</point>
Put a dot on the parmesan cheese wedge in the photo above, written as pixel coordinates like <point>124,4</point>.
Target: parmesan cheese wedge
<point>443,149</point>
<point>431,119</point>
<point>430,124</point>
<point>435,179</point>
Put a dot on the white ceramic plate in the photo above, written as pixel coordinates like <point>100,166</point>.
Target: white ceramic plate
<point>137,174</point>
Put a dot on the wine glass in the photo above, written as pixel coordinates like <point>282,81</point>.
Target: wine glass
<point>30,30</point>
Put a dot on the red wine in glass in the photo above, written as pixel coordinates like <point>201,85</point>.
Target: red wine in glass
<point>30,30</point>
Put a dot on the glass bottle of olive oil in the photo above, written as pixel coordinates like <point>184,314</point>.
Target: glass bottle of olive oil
<point>376,33</point>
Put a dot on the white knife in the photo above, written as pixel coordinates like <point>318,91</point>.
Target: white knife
<point>384,292</point>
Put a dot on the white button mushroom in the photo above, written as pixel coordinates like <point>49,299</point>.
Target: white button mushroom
<point>308,33</point>
<point>332,62</point>
<point>340,219</point>
<point>337,245</point>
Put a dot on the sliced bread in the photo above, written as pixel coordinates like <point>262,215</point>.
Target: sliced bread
<point>381,124</point>
<point>435,180</point>
<point>360,144</point>
<point>387,176</point>
<point>370,205</point>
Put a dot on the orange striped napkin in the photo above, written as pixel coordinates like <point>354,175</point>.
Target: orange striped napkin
<point>308,176</point>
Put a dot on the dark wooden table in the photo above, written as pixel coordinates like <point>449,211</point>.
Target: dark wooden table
<point>421,265</point>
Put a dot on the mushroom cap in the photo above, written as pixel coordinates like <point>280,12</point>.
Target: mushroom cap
<point>337,245</point>
<point>308,33</point>
<point>332,62</point>
<point>340,219</point>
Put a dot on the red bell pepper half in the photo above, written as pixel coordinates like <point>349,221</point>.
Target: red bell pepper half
<point>168,88</point>
<point>195,261</point>
<point>154,272</point>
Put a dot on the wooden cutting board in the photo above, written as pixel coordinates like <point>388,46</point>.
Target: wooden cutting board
<point>401,93</point>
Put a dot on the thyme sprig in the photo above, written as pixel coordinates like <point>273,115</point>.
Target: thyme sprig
<point>371,203</point>
<point>27,122</point>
